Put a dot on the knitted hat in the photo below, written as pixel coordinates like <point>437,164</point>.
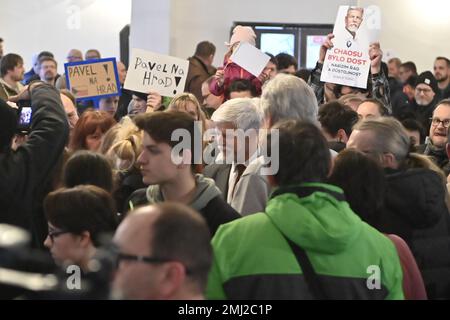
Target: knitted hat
<point>242,34</point>
<point>8,125</point>
<point>428,78</point>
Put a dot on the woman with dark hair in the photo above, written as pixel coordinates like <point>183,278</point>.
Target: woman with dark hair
<point>364,185</point>
<point>89,130</point>
<point>77,218</point>
<point>87,167</point>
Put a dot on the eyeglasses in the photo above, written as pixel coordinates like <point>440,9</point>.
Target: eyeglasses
<point>146,259</point>
<point>425,91</point>
<point>53,234</point>
<point>437,121</point>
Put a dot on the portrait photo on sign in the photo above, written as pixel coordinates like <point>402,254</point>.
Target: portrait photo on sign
<point>348,62</point>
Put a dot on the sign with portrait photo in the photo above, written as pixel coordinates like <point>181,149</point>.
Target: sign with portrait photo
<point>348,62</point>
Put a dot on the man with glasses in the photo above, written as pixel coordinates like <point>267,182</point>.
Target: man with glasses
<point>435,145</point>
<point>164,254</point>
<point>426,96</point>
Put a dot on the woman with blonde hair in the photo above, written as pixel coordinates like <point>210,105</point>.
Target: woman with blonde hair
<point>123,152</point>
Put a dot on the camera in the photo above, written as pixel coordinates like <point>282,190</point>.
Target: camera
<point>24,116</point>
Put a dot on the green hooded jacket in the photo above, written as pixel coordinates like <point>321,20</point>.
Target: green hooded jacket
<point>253,260</point>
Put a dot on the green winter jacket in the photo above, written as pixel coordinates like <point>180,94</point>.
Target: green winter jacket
<point>253,260</point>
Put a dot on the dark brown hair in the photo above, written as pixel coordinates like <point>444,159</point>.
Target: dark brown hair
<point>82,208</point>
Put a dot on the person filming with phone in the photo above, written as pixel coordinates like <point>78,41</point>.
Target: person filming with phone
<point>25,170</point>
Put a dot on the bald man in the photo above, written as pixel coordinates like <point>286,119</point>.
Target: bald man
<point>74,55</point>
<point>164,254</point>
<point>71,111</point>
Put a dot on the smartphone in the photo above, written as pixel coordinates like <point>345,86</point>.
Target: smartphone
<point>25,114</point>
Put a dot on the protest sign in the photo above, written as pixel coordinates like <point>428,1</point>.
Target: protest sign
<point>250,58</point>
<point>348,62</point>
<point>93,78</point>
<point>151,71</point>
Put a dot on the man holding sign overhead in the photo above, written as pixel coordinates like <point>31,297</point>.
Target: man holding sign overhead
<point>346,59</point>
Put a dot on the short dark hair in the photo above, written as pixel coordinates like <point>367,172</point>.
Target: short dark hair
<point>411,81</point>
<point>414,125</point>
<point>240,85</point>
<point>87,167</point>
<point>381,107</point>
<point>181,234</point>
<point>285,60</point>
<point>272,59</point>
<point>45,54</point>
<point>9,62</point>
<point>303,142</point>
<point>363,182</point>
<point>335,115</point>
<point>47,58</point>
<point>338,88</point>
<point>204,49</point>
<point>445,59</point>
<point>82,208</point>
<point>410,66</point>
<point>303,74</point>
<point>161,125</point>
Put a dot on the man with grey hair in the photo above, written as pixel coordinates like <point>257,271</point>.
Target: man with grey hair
<point>284,97</point>
<point>288,97</point>
<point>353,20</point>
<point>236,173</point>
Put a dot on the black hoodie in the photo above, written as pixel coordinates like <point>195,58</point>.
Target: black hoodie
<point>415,209</point>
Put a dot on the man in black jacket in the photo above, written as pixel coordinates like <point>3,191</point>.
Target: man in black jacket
<point>168,163</point>
<point>24,171</point>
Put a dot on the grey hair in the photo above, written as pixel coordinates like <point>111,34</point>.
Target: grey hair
<point>242,112</point>
<point>389,136</point>
<point>350,8</point>
<point>287,97</point>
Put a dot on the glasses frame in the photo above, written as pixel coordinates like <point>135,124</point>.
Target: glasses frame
<point>147,259</point>
<point>54,234</point>
<point>435,122</point>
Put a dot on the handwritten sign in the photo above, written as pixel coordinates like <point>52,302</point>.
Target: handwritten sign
<point>151,71</point>
<point>348,62</point>
<point>250,58</point>
<point>93,78</point>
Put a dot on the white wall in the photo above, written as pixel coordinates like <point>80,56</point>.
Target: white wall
<point>197,20</point>
<point>30,26</point>
<point>150,25</point>
<point>415,30</point>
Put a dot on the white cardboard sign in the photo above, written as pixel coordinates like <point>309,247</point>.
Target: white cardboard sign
<point>348,62</point>
<point>250,58</point>
<point>152,71</point>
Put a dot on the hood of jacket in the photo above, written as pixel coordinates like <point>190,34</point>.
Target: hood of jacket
<point>417,196</point>
<point>327,224</point>
<point>205,191</point>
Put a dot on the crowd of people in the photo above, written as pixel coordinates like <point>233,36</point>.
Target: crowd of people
<point>333,192</point>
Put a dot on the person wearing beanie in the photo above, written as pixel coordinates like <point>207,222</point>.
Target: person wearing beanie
<point>144,102</point>
<point>426,96</point>
<point>25,172</point>
<point>231,71</point>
